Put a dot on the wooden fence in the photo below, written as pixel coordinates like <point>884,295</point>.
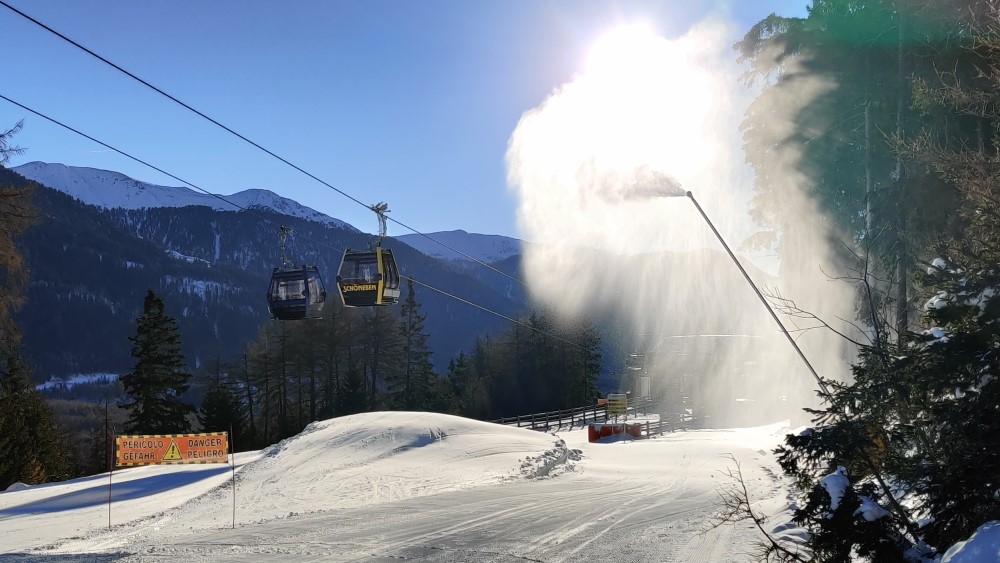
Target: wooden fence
<point>571,417</point>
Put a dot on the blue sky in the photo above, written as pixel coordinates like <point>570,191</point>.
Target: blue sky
<point>410,102</point>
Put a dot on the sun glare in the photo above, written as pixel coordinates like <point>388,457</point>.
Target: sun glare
<point>649,100</point>
<point>624,50</point>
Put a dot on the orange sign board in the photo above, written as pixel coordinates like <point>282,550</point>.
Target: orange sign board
<point>171,448</point>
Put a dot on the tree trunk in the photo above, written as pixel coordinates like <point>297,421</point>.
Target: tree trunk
<point>902,266</point>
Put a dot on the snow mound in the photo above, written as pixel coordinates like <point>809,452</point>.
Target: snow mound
<point>983,546</point>
<point>550,463</point>
<point>379,457</point>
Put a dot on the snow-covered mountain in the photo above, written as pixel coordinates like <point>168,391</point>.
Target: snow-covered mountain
<point>486,248</point>
<point>112,190</point>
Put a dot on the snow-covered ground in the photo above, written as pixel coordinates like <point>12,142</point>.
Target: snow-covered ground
<point>396,485</point>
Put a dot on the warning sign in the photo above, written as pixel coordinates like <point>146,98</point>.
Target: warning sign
<point>171,448</point>
<point>173,454</point>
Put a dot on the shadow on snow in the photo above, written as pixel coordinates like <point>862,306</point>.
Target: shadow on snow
<point>98,494</point>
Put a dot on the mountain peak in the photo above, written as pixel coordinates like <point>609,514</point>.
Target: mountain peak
<point>108,189</point>
<point>486,248</point>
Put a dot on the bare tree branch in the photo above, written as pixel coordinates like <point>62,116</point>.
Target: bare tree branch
<point>735,507</point>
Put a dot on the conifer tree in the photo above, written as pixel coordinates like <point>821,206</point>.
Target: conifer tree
<point>411,384</point>
<point>30,449</point>
<point>158,380</point>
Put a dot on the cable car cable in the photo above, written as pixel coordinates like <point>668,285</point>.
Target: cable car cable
<point>119,151</point>
<point>242,137</point>
<point>265,219</point>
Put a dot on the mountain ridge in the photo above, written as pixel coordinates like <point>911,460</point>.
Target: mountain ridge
<point>93,186</point>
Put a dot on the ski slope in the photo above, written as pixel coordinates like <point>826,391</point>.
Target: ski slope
<point>401,485</point>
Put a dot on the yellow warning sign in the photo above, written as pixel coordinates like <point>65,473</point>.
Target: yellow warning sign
<point>173,454</point>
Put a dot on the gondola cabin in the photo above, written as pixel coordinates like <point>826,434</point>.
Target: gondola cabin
<point>296,294</point>
<point>368,278</point>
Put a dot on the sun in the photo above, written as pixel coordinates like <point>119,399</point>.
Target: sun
<point>646,100</point>
<point>624,51</point>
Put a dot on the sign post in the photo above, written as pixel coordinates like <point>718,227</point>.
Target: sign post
<point>232,447</point>
<point>111,473</point>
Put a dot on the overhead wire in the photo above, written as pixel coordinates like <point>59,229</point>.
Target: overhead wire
<point>243,137</point>
<point>263,218</point>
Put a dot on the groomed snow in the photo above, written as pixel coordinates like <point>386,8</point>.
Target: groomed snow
<point>397,485</point>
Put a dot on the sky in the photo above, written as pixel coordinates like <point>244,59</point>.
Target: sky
<point>412,103</point>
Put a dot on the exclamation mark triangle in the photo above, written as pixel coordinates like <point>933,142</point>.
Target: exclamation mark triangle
<point>173,453</point>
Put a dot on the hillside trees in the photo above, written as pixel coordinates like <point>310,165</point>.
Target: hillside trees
<point>536,366</point>
<point>158,379</point>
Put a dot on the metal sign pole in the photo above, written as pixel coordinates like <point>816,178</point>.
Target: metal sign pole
<point>111,473</point>
<point>232,449</point>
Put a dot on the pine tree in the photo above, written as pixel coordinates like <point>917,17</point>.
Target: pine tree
<point>410,385</point>
<point>30,449</point>
<point>158,380</point>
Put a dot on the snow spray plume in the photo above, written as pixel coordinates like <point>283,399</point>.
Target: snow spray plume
<point>596,167</point>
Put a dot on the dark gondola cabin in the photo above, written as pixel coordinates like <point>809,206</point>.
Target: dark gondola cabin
<point>296,294</point>
<point>368,278</point>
